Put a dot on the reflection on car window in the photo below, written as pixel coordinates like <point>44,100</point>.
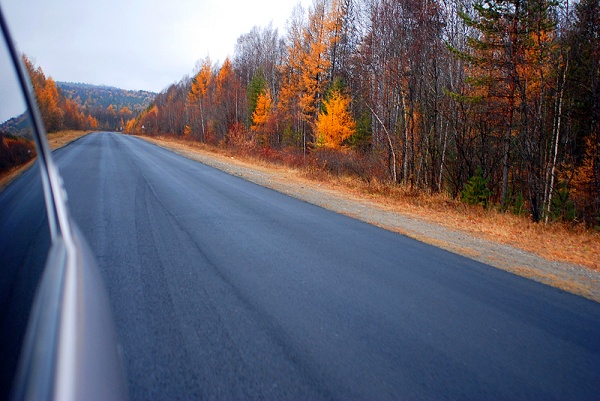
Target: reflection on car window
<point>24,232</point>
<point>16,142</point>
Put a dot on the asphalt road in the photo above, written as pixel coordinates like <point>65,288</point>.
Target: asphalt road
<point>223,289</point>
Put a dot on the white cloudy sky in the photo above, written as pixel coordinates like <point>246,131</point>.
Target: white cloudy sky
<point>135,44</point>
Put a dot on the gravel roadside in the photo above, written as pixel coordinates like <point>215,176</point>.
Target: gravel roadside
<point>565,276</point>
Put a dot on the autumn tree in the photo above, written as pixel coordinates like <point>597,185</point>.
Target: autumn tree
<point>345,38</point>
<point>46,95</point>
<point>260,49</point>
<point>228,97</point>
<point>92,122</point>
<point>582,110</point>
<point>398,63</point>
<point>508,77</point>
<point>256,88</point>
<point>261,116</point>
<point>335,124</point>
<point>307,70</point>
<point>172,106</point>
<point>290,70</point>
<point>198,98</point>
<point>73,117</point>
<point>113,118</point>
<point>125,115</point>
<point>148,123</point>
<point>319,39</point>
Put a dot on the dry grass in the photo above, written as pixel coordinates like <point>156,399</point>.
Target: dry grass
<point>557,241</point>
<point>55,140</point>
<point>63,138</point>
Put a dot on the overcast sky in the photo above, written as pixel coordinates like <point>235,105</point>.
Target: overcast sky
<point>135,44</point>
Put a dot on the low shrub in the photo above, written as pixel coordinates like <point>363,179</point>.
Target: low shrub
<point>15,151</point>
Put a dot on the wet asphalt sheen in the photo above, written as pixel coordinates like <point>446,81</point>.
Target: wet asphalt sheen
<point>222,289</point>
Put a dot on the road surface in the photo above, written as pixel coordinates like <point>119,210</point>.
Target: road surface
<point>222,289</point>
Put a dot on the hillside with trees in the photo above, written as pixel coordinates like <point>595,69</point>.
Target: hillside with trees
<point>69,106</point>
<point>111,107</point>
<point>495,102</point>
<point>57,111</point>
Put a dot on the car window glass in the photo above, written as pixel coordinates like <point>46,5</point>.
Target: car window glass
<point>24,232</point>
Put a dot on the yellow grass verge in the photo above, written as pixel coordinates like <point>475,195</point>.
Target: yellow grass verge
<point>55,140</point>
<point>559,242</point>
<point>62,138</point>
<point>556,242</point>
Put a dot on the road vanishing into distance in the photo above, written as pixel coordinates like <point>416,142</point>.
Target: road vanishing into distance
<point>222,289</point>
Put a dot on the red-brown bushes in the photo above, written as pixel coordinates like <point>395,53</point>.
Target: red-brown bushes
<point>15,151</point>
<point>367,167</point>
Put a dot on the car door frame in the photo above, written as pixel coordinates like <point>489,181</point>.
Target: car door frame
<point>70,350</point>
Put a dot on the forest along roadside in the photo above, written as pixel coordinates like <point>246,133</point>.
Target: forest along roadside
<point>569,277</point>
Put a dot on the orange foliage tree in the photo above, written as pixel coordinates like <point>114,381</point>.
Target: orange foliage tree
<point>228,94</point>
<point>335,123</point>
<point>289,94</point>
<point>197,99</point>
<point>261,116</point>
<point>307,71</point>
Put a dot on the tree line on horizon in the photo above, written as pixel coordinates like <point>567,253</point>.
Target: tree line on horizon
<point>495,102</point>
<point>111,106</point>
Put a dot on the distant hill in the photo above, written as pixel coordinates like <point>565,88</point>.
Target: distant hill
<point>92,96</point>
<point>111,107</point>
